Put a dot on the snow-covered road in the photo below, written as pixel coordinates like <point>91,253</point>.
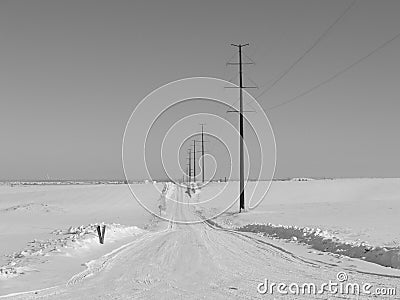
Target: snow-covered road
<point>200,261</point>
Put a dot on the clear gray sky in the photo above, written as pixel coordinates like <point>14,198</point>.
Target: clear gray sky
<point>71,72</point>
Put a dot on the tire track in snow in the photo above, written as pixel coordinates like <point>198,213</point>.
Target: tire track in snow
<point>96,266</point>
<point>285,254</point>
<point>313,263</point>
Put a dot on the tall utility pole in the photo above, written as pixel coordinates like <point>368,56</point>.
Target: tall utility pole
<point>241,185</point>
<point>202,151</point>
<point>194,160</point>
<point>241,145</point>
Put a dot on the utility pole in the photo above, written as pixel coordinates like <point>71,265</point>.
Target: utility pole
<point>190,169</point>
<point>188,174</point>
<point>241,185</point>
<point>202,151</point>
<point>194,160</point>
<point>241,144</point>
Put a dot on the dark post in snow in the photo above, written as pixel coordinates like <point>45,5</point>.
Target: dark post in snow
<point>101,233</point>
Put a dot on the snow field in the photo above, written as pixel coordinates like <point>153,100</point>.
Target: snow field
<point>357,218</point>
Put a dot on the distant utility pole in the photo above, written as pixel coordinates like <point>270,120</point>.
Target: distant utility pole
<point>241,154</point>
<point>187,174</point>
<point>194,160</point>
<point>202,151</point>
<point>190,169</point>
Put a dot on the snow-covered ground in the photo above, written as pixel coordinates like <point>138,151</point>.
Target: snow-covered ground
<point>48,232</point>
<point>354,209</point>
<point>302,231</point>
<point>353,217</point>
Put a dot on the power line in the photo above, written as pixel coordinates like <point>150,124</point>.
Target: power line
<point>337,74</point>
<point>324,34</point>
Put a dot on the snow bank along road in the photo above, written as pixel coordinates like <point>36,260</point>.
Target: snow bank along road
<point>201,261</point>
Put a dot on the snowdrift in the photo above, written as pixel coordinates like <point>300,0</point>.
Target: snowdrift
<point>68,243</point>
<point>324,241</point>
